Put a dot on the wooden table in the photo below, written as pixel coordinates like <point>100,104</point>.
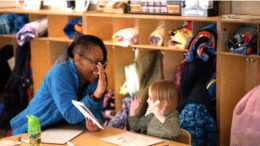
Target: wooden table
<point>91,138</point>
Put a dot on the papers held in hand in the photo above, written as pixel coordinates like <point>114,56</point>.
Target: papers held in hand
<point>86,112</point>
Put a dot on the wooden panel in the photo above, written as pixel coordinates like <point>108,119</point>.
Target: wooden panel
<point>84,23</point>
<point>56,25</point>
<point>33,17</point>
<point>245,7</point>
<point>110,69</point>
<point>218,97</point>
<point>122,57</point>
<point>145,16</point>
<point>55,50</point>
<point>40,12</point>
<point>40,56</point>
<point>171,25</point>
<point>251,74</point>
<point>171,60</point>
<point>232,85</point>
<point>8,4</point>
<point>258,39</point>
<point>224,7</point>
<point>197,26</point>
<point>5,41</point>
<point>122,23</point>
<point>145,28</point>
<point>100,26</point>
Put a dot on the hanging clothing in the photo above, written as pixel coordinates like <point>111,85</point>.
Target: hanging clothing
<point>195,104</point>
<point>150,69</point>
<point>202,127</point>
<point>5,53</point>
<point>16,98</point>
<point>120,120</point>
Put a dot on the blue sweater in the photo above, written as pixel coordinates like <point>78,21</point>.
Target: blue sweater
<point>52,102</point>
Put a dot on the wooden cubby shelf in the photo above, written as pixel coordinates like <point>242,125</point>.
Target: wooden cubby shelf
<point>40,12</point>
<point>55,39</point>
<point>240,55</point>
<point>235,75</point>
<point>7,36</point>
<point>152,47</point>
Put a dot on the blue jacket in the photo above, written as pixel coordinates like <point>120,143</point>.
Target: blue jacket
<point>52,102</point>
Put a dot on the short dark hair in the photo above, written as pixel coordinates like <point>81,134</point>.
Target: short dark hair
<point>82,43</point>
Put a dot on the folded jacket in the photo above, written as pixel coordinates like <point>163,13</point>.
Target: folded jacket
<point>126,37</point>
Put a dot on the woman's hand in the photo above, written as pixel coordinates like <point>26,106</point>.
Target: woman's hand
<point>102,84</point>
<point>157,112</point>
<point>90,125</point>
<point>135,101</point>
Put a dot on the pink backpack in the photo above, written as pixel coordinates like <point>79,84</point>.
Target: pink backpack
<point>245,129</point>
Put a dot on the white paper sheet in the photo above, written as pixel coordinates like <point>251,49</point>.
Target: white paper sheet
<point>131,139</point>
<point>59,136</point>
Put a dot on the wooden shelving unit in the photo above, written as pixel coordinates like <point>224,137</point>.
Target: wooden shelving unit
<point>236,74</point>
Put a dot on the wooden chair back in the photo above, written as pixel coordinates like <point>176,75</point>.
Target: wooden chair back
<point>184,137</point>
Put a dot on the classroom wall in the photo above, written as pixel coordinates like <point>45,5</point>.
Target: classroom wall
<point>239,7</point>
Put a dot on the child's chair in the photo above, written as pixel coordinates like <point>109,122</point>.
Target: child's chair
<point>184,137</point>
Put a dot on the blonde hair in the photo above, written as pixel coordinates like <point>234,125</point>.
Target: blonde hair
<point>165,90</point>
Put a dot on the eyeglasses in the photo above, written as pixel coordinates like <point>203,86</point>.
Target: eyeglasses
<point>104,63</point>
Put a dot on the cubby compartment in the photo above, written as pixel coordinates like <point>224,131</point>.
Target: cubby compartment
<point>171,61</point>
<point>122,23</point>
<point>101,27</point>
<point>171,25</point>
<point>8,40</point>
<point>56,24</point>
<point>43,55</point>
<point>237,76</point>
<point>228,29</point>
<point>121,57</point>
<point>145,28</point>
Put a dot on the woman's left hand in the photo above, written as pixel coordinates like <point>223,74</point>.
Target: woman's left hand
<point>90,125</point>
<point>102,84</point>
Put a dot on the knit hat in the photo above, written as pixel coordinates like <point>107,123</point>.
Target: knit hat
<point>203,43</point>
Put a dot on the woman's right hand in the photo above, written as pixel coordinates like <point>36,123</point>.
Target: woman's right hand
<point>90,125</point>
<point>135,101</point>
<point>102,84</point>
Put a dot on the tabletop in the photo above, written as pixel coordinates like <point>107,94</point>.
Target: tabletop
<point>92,138</point>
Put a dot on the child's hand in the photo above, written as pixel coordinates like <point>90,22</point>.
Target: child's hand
<point>157,113</point>
<point>135,101</point>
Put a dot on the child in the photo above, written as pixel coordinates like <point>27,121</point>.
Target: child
<point>162,119</point>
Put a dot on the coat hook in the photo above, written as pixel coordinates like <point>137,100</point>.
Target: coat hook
<point>252,60</point>
<point>134,48</point>
<point>247,59</point>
